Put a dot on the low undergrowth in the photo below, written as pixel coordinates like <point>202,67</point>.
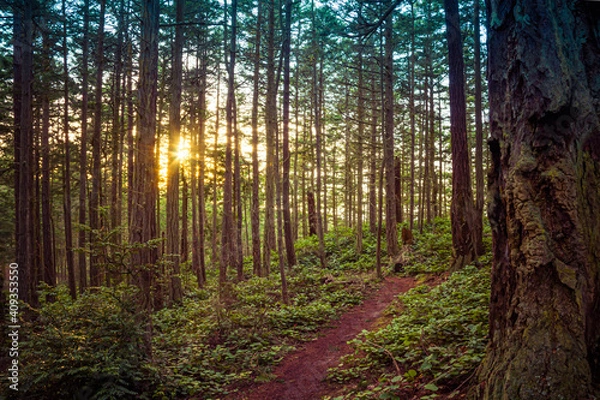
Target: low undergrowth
<point>210,346</point>
<point>94,347</point>
<point>432,249</point>
<point>434,342</point>
<point>207,347</point>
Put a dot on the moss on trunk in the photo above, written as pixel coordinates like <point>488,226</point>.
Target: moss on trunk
<point>544,201</point>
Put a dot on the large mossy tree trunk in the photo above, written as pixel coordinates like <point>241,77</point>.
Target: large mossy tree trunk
<point>544,185</point>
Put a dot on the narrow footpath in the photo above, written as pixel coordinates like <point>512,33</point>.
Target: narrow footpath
<point>300,376</point>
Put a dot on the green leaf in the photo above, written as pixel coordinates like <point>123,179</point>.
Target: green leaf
<point>432,387</point>
<point>411,373</point>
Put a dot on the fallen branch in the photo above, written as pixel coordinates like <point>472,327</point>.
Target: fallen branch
<point>389,353</point>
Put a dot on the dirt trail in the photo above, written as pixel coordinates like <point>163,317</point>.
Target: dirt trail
<point>300,376</point>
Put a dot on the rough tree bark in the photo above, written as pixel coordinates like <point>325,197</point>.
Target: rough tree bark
<point>373,161</point>
<point>271,132</point>
<point>312,213</point>
<point>391,233</point>
<point>96,272</point>
<point>23,141</point>
<point>285,183</point>
<point>198,163</point>
<point>318,151</point>
<point>143,227</point>
<point>173,255</point>
<point>215,259</point>
<point>237,196</point>
<point>116,151</point>
<point>359,154</point>
<point>398,184</point>
<point>479,181</point>
<point>545,203</point>
<point>228,238</point>
<point>461,207</point>
<point>81,239</point>
<point>67,168</point>
<point>412,111</point>
<point>130,125</point>
<point>48,267</point>
<point>202,173</point>
<point>255,211</point>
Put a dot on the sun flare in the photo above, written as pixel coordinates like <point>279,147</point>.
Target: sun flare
<point>183,150</point>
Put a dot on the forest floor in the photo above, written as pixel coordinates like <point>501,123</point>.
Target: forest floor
<point>301,375</point>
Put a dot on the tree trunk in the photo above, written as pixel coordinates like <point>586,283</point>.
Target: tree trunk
<point>379,224</point>
<point>316,88</point>
<point>48,267</point>
<point>420,179</point>
<point>429,118</point>
<point>479,189</point>
<point>255,213</point>
<point>285,184</point>
<point>228,237</point>
<point>312,213</point>
<point>442,197</point>
<point>391,233</point>
<point>297,198</point>
<point>545,204</point>
<point>183,240</point>
<point>143,226</point>
<point>37,272</point>
<point>81,240</point>
<point>237,197</point>
<point>271,132</point>
<point>318,152</point>
<point>173,255</point>
<point>117,141</point>
<point>432,119</point>
<point>359,167</point>
<point>130,126</point>
<point>67,168</point>
<point>322,208</point>
<point>462,208</point>
<point>398,187</point>
<point>214,252</point>
<point>194,182</point>
<point>411,110</point>
<point>199,146</point>
<point>95,195</point>
<point>22,107</point>
<point>280,246</point>
<point>373,163</point>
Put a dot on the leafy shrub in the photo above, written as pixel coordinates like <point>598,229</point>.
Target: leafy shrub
<point>90,348</point>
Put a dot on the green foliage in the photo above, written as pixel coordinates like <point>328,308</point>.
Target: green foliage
<point>204,347</point>
<point>432,249</point>
<point>437,335</point>
<point>90,348</point>
<point>7,223</point>
<point>210,345</point>
<point>340,250</point>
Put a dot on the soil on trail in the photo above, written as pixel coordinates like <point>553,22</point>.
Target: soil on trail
<point>300,376</point>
